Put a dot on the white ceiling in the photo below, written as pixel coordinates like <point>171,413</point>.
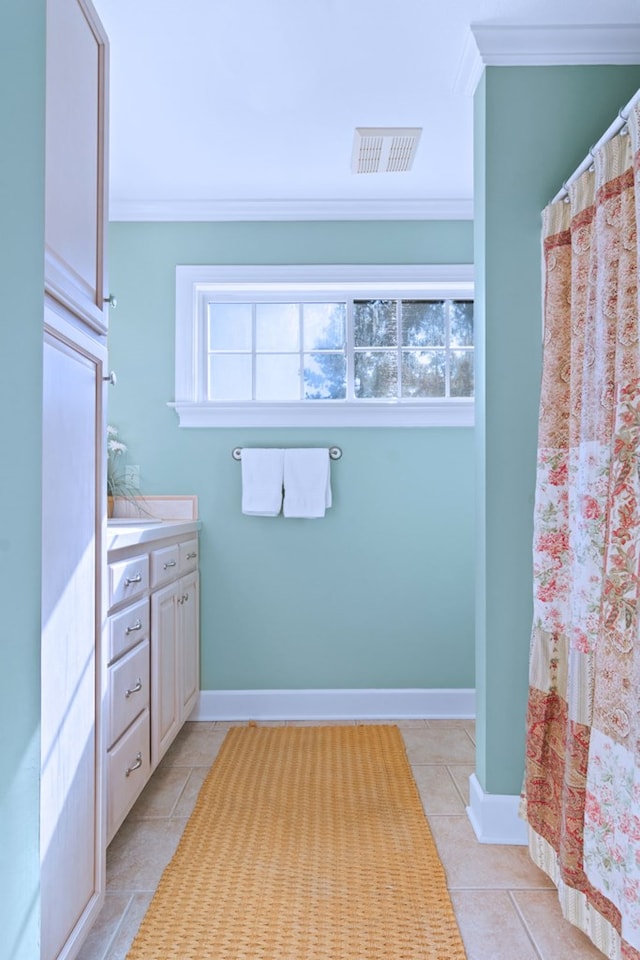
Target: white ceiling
<point>237,101</point>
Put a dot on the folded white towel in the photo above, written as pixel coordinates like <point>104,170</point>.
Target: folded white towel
<point>262,476</point>
<point>307,482</point>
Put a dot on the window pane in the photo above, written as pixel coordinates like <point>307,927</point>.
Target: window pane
<point>423,373</point>
<point>375,323</point>
<point>277,326</point>
<point>376,375</point>
<point>461,375</point>
<point>325,376</point>
<point>230,377</point>
<point>324,325</point>
<point>230,326</point>
<point>277,377</point>
<point>423,323</point>
<point>462,323</point>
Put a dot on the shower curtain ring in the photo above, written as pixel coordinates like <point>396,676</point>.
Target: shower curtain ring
<point>624,119</point>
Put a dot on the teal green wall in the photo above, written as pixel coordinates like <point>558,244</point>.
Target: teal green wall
<point>479,168</point>
<point>534,125</point>
<point>380,592</point>
<point>21,311</point>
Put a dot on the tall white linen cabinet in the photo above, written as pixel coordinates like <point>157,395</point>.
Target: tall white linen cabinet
<point>76,305</point>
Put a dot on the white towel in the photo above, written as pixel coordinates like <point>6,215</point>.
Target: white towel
<point>307,482</point>
<point>262,476</point>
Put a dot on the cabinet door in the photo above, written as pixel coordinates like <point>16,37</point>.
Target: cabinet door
<point>189,644</point>
<point>165,711</point>
<point>71,827</point>
<point>76,144</point>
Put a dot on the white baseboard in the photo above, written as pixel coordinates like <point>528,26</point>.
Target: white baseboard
<point>334,704</point>
<point>494,816</point>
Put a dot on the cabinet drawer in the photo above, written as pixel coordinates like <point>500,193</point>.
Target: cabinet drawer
<point>127,628</point>
<point>188,556</point>
<point>128,578</point>
<point>165,564</point>
<point>128,689</point>
<point>128,769</point>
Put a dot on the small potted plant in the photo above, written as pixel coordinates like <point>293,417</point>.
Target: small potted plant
<point>119,482</point>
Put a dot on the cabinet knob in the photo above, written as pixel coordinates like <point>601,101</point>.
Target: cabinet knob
<point>137,763</point>
<point>191,556</point>
<point>169,563</point>
<point>134,689</point>
<point>134,626</point>
<point>111,300</point>
<point>112,379</point>
<point>136,578</point>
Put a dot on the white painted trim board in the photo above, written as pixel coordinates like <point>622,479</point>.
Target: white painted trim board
<point>494,817</point>
<point>368,704</point>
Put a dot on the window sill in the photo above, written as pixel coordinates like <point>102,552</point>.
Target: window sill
<point>436,413</point>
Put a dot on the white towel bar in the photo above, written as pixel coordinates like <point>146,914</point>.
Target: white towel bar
<point>334,452</point>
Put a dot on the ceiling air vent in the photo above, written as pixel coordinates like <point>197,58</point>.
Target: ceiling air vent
<point>384,149</point>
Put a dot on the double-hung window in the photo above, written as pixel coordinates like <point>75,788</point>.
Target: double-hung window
<point>324,346</point>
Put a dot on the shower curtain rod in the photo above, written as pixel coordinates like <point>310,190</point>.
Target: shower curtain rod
<point>611,131</point>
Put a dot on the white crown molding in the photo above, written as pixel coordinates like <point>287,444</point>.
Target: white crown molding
<point>470,68</point>
<point>395,704</point>
<point>277,210</point>
<point>494,817</point>
<point>517,45</point>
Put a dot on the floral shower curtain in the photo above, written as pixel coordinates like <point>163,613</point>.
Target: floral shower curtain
<point>582,778</point>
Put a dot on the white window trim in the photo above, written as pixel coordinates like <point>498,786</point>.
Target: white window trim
<point>437,281</point>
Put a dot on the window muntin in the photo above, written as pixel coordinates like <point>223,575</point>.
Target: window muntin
<point>276,351</point>
<point>404,349</point>
<point>320,397</point>
<point>283,351</point>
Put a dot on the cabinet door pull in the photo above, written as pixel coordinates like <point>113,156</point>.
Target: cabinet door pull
<point>191,556</point>
<point>137,763</point>
<point>169,563</point>
<point>136,578</point>
<point>134,689</point>
<point>134,626</point>
<point>185,597</point>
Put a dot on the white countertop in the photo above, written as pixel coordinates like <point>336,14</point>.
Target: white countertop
<point>123,533</point>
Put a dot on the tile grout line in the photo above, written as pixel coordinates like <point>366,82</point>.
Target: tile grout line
<point>118,926</point>
<point>524,924</point>
<point>510,890</point>
<point>456,787</point>
<point>181,793</point>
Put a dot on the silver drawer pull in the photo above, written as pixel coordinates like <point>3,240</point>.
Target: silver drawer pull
<point>134,689</point>
<point>136,578</point>
<point>169,563</point>
<point>185,597</point>
<point>134,626</point>
<point>137,763</point>
<point>191,556</point>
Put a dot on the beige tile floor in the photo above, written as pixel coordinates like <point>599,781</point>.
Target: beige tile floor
<point>506,908</point>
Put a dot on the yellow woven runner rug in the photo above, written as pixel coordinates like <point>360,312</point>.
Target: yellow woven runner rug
<point>306,843</point>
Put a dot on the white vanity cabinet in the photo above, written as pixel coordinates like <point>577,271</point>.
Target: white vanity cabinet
<point>128,671</point>
<point>153,652</point>
<point>76,169</point>
<point>174,642</point>
<point>72,822</point>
